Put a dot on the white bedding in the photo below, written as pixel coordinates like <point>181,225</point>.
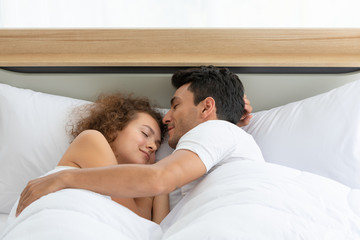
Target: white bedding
<point>245,199</point>
<point>3,218</point>
<point>249,200</point>
<point>78,214</point>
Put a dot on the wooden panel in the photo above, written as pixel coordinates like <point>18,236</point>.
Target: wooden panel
<point>181,47</point>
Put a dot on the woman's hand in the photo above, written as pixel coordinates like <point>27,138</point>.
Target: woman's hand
<point>39,187</point>
<point>245,119</point>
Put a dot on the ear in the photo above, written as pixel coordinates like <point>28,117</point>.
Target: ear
<point>208,108</point>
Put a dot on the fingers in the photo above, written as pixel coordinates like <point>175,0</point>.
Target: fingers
<point>246,117</point>
<point>39,187</point>
<point>248,108</point>
<point>25,199</point>
<point>27,196</point>
<point>246,99</point>
<point>245,121</point>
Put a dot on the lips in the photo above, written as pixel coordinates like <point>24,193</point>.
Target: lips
<point>147,155</point>
<point>170,128</point>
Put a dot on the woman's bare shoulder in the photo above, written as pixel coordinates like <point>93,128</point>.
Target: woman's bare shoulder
<point>89,149</point>
<point>91,134</point>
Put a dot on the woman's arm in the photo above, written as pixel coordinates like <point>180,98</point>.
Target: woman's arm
<point>161,208</point>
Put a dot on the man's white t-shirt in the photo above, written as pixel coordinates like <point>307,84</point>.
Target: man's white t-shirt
<point>218,142</point>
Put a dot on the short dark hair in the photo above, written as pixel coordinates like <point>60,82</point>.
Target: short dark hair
<point>219,83</point>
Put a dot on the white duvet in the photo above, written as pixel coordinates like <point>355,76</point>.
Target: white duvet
<point>78,214</point>
<point>243,200</point>
<point>250,200</point>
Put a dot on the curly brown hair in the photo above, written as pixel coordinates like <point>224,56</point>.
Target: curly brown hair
<point>111,113</point>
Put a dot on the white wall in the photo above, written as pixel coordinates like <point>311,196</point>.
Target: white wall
<point>264,90</point>
<point>179,14</point>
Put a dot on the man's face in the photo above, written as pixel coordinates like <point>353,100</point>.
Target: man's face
<point>183,114</point>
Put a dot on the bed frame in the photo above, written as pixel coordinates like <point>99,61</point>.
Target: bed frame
<point>182,47</point>
<point>142,60</point>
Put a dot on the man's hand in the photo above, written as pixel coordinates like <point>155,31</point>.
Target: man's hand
<point>245,119</point>
<point>37,188</point>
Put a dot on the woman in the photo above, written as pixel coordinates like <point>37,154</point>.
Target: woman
<point>119,129</point>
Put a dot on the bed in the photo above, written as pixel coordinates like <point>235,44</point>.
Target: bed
<point>304,86</point>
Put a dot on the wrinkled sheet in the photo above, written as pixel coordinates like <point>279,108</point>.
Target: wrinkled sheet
<point>78,214</point>
<point>249,200</point>
<point>241,200</point>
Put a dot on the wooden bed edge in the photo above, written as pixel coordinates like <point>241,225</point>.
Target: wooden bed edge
<point>180,47</point>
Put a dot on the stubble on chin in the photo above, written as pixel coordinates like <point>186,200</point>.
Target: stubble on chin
<point>173,142</point>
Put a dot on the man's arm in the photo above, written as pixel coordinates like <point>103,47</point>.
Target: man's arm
<point>126,180</point>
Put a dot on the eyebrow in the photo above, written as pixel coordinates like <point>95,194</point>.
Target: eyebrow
<point>173,100</point>
<point>153,132</point>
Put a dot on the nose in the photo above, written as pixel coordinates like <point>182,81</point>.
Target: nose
<point>166,118</point>
<point>151,145</point>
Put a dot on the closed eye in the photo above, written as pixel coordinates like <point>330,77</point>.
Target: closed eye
<point>145,134</point>
<point>174,107</point>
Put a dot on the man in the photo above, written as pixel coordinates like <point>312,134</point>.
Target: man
<point>206,106</point>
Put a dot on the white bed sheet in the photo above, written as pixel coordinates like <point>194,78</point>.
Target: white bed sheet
<point>3,218</point>
<point>78,214</point>
<point>242,199</point>
<point>250,200</point>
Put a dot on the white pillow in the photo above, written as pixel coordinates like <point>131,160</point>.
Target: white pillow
<point>320,134</point>
<point>32,137</point>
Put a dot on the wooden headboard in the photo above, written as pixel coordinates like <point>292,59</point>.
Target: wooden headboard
<point>181,47</point>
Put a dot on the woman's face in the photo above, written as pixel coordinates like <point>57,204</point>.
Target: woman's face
<point>138,141</point>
